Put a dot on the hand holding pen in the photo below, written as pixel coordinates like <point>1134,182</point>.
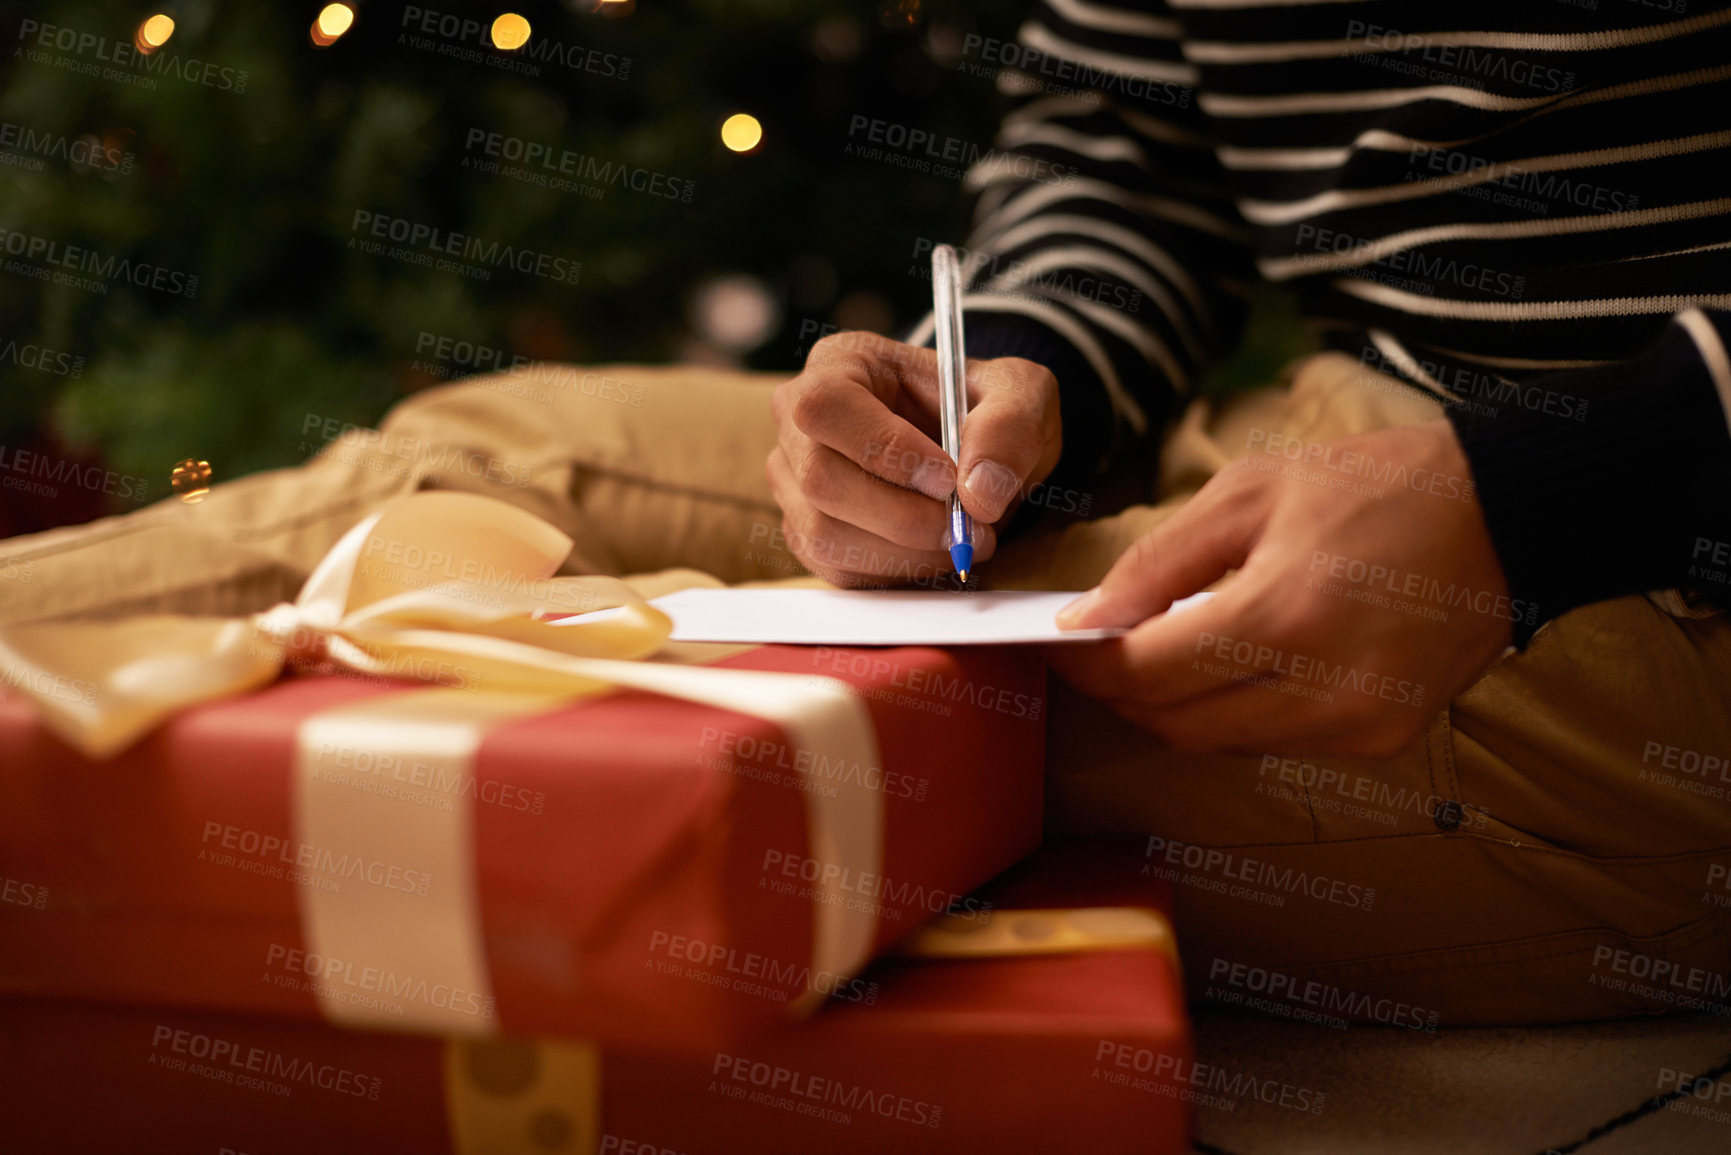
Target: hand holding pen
<point>859,471</point>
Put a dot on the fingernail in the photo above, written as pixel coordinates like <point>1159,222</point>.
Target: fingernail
<point>1072,615</point>
<point>991,486</point>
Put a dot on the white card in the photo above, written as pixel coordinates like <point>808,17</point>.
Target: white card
<point>875,617</point>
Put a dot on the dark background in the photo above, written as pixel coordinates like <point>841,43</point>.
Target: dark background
<point>251,186</point>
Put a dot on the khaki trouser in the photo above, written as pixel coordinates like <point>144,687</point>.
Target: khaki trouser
<point>1556,847</point>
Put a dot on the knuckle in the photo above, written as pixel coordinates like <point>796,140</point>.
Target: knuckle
<point>896,458</point>
<point>1237,491</point>
<point>1003,434</point>
<point>1020,373</point>
<point>769,471</point>
<point>810,407</point>
<point>835,345</point>
<point>1236,478</point>
<point>782,397</point>
<point>817,479</point>
<point>883,451</point>
<point>804,468</point>
<point>1139,558</point>
<point>775,466</point>
<point>899,356</point>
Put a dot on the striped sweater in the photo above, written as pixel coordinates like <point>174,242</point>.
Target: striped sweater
<point>1511,206</point>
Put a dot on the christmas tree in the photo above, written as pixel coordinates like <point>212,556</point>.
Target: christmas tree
<point>210,238</point>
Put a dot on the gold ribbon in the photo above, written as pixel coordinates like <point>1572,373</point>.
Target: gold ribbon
<point>449,588</point>
<point>522,1096</point>
<point>506,1096</point>
<point>1060,930</point>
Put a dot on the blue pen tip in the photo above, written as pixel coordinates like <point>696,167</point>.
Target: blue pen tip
<point>963,556</point>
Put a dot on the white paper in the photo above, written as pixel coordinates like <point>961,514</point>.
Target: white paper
<point>875,617</point>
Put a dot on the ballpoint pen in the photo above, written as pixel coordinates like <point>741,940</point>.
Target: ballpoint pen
<point>952,393</point>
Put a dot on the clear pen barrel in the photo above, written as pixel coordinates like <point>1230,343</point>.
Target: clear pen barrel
<point>961,526</point>
<point>952,386</point>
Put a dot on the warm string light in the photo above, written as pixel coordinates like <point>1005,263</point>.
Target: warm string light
<point>333,20</point>
<point>741,132</point>
<point>510,32</point>
<point>153,33</point>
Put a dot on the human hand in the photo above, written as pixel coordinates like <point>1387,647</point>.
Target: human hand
<point>862,482</point>
<point>1363,603</point>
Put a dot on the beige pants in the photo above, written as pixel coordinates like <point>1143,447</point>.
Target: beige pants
<point>1557,846</point>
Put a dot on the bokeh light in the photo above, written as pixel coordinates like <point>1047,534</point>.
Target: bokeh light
<point>153,33</point>
<point>945,44</point>
<point>333,20</point>
<point>736,312</point>
<point>510,32</point>
<point>899,14</point>
<point>837,39</point>
<point>741,132</point>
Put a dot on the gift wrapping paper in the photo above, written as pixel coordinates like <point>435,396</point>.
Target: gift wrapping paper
<point>625,867</point>
<point>1049,1017</point>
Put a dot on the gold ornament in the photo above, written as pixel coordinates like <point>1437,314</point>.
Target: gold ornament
<point>191,479</point>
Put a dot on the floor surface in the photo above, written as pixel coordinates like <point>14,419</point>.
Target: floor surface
<point>1284,1088</point>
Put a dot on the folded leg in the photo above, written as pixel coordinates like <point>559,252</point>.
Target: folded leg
<point>645,467</point>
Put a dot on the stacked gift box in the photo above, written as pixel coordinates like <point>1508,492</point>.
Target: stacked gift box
<point>1065,1033</point>
<point>352,913</point>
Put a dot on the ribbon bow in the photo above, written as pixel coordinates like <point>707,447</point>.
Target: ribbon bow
<point>449,587</point>
<point>437,587</point>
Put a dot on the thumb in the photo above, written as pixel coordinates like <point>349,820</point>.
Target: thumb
<point>1192,548</point>
<point>1010,441</point>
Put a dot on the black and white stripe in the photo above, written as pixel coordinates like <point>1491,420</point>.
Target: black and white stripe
<point>1513,189</point>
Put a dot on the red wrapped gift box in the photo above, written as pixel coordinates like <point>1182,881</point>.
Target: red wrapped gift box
<point>630,867</point>
<point>1079,1048</point>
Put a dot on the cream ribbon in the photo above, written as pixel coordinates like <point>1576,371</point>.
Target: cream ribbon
<point>451,588</point>
<point>422,954</point>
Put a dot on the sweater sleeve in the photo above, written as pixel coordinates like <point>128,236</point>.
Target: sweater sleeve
<point>1632,496</point>
<point>1104,245</point>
